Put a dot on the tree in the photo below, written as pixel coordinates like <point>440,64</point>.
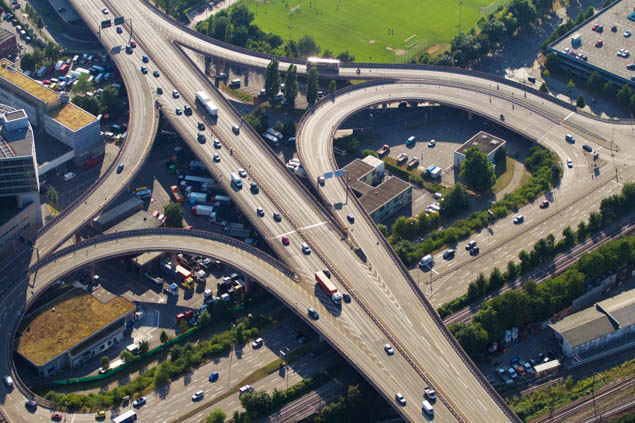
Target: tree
<point>476,171</point>
<point>27,63</point>
<point>162,373</point>
<point>258,119</point>
<point>173,215</point>
<point>544,88</point>
<point>552,62</point>
<point>307,46</point>
<point>327,53</point>
<point>345,57</point>
<point>312,86</point>
<point>216,416</point>
<point>291,86</point>
<point>241,16</point>
<point>332,87</point>
<point>624,95</point>
<point>472,337</point>
<point>83,84</point>
<point>90,104</point>
<point>144,346</point>
<point>104,363</point>
<point>571,84</point>
<point>253,402</point>
<point>580,102</point>
<point>272,79</point>
<point>288,130</point>
<point>221,27</point>
<point>52,51</point>
<point>110,101</point>
<point>524,11</point>
<point>455,201</point>
<point>53,197</point>
<point>126,356</point>
<point>204,318</point>
<point>595,82</point>
<point>164,337</point>
<point>40,22</point>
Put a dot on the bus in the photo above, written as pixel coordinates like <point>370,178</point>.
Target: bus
<point>144,194</point>
<point>127,417</point>
<point>323,64</point>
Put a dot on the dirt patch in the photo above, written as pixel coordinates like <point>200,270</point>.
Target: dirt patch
<point>435,48</point>
<point>371,41</point>
<point>400,52</point>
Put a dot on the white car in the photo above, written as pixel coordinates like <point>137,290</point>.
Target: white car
<point>389,350</point>
<point>432,143</point>
<point>175,94</point>
<point>519,219</point>
<point>258,343</point>
<point>68,176</point>
<point>400,399</point>
<point>242,173</point>
<point>105,11</point>
<point>569,163</point>
<point>8,380</point>
<point>198,395</point>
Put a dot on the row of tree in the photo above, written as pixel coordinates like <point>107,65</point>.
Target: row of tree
<point>109,101</point>
<point>40,57</point>
<point>535,302</point>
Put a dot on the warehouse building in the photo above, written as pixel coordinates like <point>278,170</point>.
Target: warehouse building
<point>487,143</point>
<point>52,113</point>
<point>380,196</point>
<point>601,43</point>
<point>8,44</point>
<point>608,321</point>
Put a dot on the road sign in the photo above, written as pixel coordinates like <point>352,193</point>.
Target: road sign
<point>106,24</point>
<point>119,20</point>
<point>339,173</point>
<point>328,175</point>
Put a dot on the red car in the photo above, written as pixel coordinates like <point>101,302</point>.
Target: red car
<point>285,240</point>
<point>56,416</point>
<point>544,204</point>
<point>599,43</point>
<point>133,44</point>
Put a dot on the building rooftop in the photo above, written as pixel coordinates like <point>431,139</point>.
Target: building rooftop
<point>383,193</point>
<point>72,116</point>
<point>603,58</point>
<point>145,258</point>
<point>17,78</point>
<point>17,143</point>
<point>5,35</point>
<point>486,142</point>
<point>69,320</point>
<point>140,220</point>
<point>15,115</point>
<point>356,169</point>
<point>373,161</point>
<point>48,148</point>
<point>604,318</point>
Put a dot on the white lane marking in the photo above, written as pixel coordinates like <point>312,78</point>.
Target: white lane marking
<point>314,225</point>
<point>568,116</point>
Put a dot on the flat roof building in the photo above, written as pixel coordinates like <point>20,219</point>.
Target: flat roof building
<point>8,43</point>
<point>116,214</point>
<point>381,197</point>
<point>594,327</point>
<point>487,143</point>
<point>594,45</point>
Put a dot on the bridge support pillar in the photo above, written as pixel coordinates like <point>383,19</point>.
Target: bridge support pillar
<point>208,62</point>
<point>321,339</point>
<point>91,271</point>
<point>78,237</point>
<point>470,115</point>
<point>173,259</point>
<point>248,283</point>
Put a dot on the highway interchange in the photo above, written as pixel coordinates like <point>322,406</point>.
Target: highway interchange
<point>386,308</point>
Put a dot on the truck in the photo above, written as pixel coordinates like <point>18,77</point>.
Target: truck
<point>204,99</point>
<point>197,197</point>
<point>383,150</point>
<point>178,197</point>
<point>413,162</point>
<point>233,225</point>
<point>182,272</point>
<point>221,199</point>
<point>211,108</point>
<point>300,172</point>
<point>434,172</point>
<point>157,280</point>
<point>401,158</point>
<point>328,287</point>
<point>200,210</point>
<point>236,181</point>
<point>239,233</point>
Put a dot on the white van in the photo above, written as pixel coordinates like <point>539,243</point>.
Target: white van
<point>426,261</point>
<point>234,83</point>
<point>425,405</point>
<point>246,388</point>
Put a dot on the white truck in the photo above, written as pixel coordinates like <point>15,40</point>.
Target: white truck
<point>205,100</point>
<point>200,210</point>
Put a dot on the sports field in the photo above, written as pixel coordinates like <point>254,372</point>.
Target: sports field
<point>371,30</point>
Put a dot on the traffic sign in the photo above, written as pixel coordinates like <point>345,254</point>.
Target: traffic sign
<point>328,175</point>
<point>339,173</point>
<point>106,24</point>
<point>119,20</point>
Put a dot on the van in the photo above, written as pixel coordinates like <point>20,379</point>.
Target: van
<point>125,400</point>
<point>234,83</point>
<point>426,261</point>
<point>244,389</point>
<point>236,182</point>
<point>76,58</point>
<point>427,408</point>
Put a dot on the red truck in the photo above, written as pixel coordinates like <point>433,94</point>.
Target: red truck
<point>385,149</point>
<point>328,287</point>
<point>178,197</point>
<point>182,272</point>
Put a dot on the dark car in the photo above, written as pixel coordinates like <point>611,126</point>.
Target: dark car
<point>474,251</point>
<point>587,147</point>
<point>254,188</point>
<point>346,297</point>
<point>201,126</point>
<point>544,204</point>
<point>119,30</point>
<point>449,254</point>
<point>350,218</point>
<point>276,217</point>
<point>31,405</point>
<point>327,272</point>
<point>120,168</point>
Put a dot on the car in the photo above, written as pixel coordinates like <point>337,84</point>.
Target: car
<point>321,180</point>
<point>145,59</point>
<point>68,176</point>
<point>350,218</point>
<point>389,349</point>
<point>8,381</point>
<point>285,240</point>
<point>198,395</point>
<point>222,75</point>
<point>100,415</point>
<point>258,343</point>
<point>314,314</point>
<point>119,30</point>
<point>187,110</point>
<point>400,399</point>
<point>175,94</point>
<point>432,143</point>
<point>587,147</point>
<point>305,248</point>
<point>159,90</point>
<point>327,272</point>
<point>236,129</point>
<point>627,33</point>
<point>262,93</point>
<point>630,66</point>
<point>531,79</point>
<point>31,405</point>
<point>475,250</point>
<point>245,388</point>
<point>156,74</point>
<point>105,11</point>
<point>569,138</point>
<point>56,416</point>
<point>217,143</point>
<point>449,254</point>
<point>276,217</point>
<point>595,27</point>
<point>178,111</point>
<point>242,173</point>
<point>253,187</point>
<point>120,168</point>
<point>216,157</point>
<point>346,297</point>
<point>213,377</point>
<point>128,49</point>
<point>519,219</point>
<point>144,70</point>
<point>599,43</point>
<point>133,44</point>
<point>429,393</point>
<point>301,340</point>
<point>512,373</point>
<point>139,402</point>
<point>260,212</point>
<point>201,126</point>
<point>470,245</point>
<point>544,204</point>
<point>200,137</point>
<point>569,163</point>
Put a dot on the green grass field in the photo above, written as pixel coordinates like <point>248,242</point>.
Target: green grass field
<point>365,27</point>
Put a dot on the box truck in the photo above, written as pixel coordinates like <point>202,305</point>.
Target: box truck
<point>328,287</point>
